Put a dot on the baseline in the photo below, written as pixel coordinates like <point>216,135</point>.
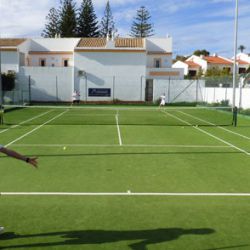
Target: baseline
<point>128,193</point>
<point>124,145</point>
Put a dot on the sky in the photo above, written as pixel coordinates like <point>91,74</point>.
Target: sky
<point>193,24</point>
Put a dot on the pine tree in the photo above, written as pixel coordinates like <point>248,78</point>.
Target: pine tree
<point>68,18</point>
<point>52,26</point>
<point>141,26</point>
<point>87,24</point>
<point>107,23</point>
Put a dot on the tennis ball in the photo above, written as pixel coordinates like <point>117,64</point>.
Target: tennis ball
<point>64,148</point>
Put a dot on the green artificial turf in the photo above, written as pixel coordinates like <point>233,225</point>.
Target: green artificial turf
<point>159,151</point>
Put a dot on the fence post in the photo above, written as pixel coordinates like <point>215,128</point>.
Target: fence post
<point>240,97</point>
<point>113,88</point>
<point>57,89</point>
<point>197,83</point>
<point>29,85</point>
<point>169,90</point>
<point>86,88</point>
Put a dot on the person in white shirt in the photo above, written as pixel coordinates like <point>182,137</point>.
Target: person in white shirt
<point>30,160</point>
<point>76,97</point>
<point>163,100</point>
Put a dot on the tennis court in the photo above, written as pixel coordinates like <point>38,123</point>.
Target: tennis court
<point>125,177</point>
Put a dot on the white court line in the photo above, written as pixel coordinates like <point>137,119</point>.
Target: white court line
<point>209,134</point>
<point>199,119</point>
<point>36,128</point>
<point>118,130</point>
<point>128,193</point>
<point>124,145</point>
<point>31,119</point>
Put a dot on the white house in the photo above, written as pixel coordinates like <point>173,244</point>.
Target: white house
<point>12,54</point>
<point>190,68</point>
<point>206,62</point>
<point>51,52</point>
<point>243,61</point>
<point>118,68</point>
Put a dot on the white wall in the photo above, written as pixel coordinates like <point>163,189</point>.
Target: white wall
<point>179,90</point>
<point>9,61</point>
<point>181,65</point>
<point>104,69</point>
<point>56,60</point>
<point>166,60</point>
<point>47,83</point>
<point>212,95</point>
<point>159,44</point>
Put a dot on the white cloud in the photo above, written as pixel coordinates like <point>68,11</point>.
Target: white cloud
<point>22,19</point>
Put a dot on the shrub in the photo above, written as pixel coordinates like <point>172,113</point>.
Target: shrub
<point>8,81</point>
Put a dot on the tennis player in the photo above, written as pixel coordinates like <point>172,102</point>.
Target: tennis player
<point>163,100</point>
<point>76,97</point>
<point>30,160</point>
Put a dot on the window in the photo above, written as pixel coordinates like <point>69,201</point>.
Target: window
<point>65,62</point>
<point>157,63</point>
<point>242,70</point>
<point>42,62</point>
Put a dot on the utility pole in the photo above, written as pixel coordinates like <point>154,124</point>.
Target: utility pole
<point>235,50</point>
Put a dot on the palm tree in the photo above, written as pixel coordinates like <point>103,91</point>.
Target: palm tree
<point>241,48</point>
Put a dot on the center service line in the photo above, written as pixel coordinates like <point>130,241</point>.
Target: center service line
<point>118,130</point>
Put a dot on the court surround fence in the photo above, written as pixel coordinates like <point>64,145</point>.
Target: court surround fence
<point>52,84</point>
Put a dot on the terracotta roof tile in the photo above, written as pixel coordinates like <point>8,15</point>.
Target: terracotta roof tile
<point>242,62</point>
<point>192,64</point>
<point>129,42</point>
<point>92,42</point>
<point>216,60</point>
<point>11,42</point>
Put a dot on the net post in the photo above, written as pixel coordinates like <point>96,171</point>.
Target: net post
<point>235,114</point>
<point>1,114</point>
<point>169,90</point>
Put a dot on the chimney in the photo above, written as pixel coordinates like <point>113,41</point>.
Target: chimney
<point>215,54</point>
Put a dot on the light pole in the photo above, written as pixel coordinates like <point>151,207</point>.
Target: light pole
<point>235,50</point>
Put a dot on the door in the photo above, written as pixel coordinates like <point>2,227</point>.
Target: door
<point>149,91</point>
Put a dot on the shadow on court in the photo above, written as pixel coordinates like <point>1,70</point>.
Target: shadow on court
<point>71,238</point>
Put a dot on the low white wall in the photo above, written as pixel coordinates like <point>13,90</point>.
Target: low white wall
<point>47,83</point>
<point>179,90</point>
<point>242,98</point>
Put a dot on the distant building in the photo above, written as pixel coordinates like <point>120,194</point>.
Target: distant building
<point>195,63</point>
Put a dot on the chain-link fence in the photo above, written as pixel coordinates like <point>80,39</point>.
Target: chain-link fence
<point>57,85</point>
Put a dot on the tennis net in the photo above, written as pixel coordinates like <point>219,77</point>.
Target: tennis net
<point>103,115</point>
